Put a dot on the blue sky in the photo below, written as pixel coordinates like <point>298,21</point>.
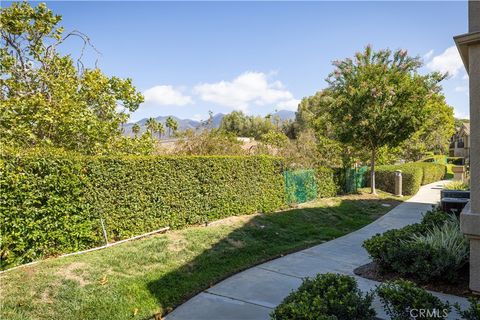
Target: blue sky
<point>191,57</point>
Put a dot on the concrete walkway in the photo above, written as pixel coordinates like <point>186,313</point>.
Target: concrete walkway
<point>254,293</point>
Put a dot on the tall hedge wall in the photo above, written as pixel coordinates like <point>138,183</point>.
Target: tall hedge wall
<point>414,175</point>
<point>326,184</point>
<point>52,204</point>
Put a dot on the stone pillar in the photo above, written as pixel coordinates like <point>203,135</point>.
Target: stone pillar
<point>398,183</point>
<point>469,47</point>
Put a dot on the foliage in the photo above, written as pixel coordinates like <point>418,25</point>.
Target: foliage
<point>423,251</point>
<point>432,172</point>
<point>52,203</point>
<point>403,300</point>
<point>242,125</point>
<point>473,312</point>
<point>449,237</point>
<point>379,99</point>
<point>435,132</point>
<point>328,297</point>
<point>172,126</point>
<point>326,184</point>
<point>457,185</point>
<point>439,158</point>
<point>274,139</point>
<point>141,274</point>
<point>310,151</point>
<point>414,175</point>
<point>48,99</point>
<point>208,142</point>
<point>411,178</point>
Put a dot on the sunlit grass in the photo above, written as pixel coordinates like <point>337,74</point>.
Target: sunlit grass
<point>138,279</point>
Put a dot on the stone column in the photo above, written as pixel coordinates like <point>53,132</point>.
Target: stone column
<point>469,47</point>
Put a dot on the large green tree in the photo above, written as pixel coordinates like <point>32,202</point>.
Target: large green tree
<point>50,99</point>
<point>379,99</point>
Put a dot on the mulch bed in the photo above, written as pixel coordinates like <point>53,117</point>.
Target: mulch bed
<point>372,272</point>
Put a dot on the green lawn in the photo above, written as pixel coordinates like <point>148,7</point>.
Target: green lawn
<point>145,277</point>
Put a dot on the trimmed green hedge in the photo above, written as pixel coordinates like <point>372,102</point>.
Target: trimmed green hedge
<point>414,175</point>
<point>52,203</point>
<point>326,185</point>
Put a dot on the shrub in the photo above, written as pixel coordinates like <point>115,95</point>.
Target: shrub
<point>327,296</point>
<point>450,241</point>
<point>473,312</point>
<point>402,252</point>
<point>456,185</point>
<point>431,171</point>
<point>326,185</point>
<point>385,178</point>
<point>52,203</point>
<point>414,175</point>
<point>403,300</point>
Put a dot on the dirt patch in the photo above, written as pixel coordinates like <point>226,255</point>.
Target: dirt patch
<point>70,272</point>
<point>176,242</point>
<point>372,272</point>
<point>235,220</point>
<point>236,243</point>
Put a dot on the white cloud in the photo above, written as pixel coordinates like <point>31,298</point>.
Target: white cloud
<point>428,55</point>
<point>461,115</point>
<point>166,95</point>
<point>449,61</point>
<point>247,89</point>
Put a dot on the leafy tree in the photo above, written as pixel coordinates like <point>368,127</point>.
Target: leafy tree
<point>136,129</point>
<point>435,132</point>
<point>208,142</point>
<point>243,125</point>
<point>379,99</point>
<point>48,99</point>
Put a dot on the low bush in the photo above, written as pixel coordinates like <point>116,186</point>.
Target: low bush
<point>326,185</point>
<point>448,241</point>
<point>403,300</point>
<point>51,203</point>
<point>326,297</point>
<point>473,312</point>
<point>431,249</point>
<point>457,185</point>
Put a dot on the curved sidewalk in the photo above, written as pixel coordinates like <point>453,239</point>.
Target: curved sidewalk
<point>254,293</point>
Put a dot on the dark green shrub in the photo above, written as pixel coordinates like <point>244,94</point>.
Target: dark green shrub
<point>396,250</point>
<point>326,185</point>
<point>52,203</point>
<point>473,312</point>
<point>403,300</point>
<point>327,296</point>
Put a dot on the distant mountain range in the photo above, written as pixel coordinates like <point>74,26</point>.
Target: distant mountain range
<point>184,124</point>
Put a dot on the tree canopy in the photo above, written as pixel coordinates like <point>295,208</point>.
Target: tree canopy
<point>379,99</point>
<point>50,99</point>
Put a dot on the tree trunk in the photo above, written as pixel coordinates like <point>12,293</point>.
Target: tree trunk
<point>372,173</point>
